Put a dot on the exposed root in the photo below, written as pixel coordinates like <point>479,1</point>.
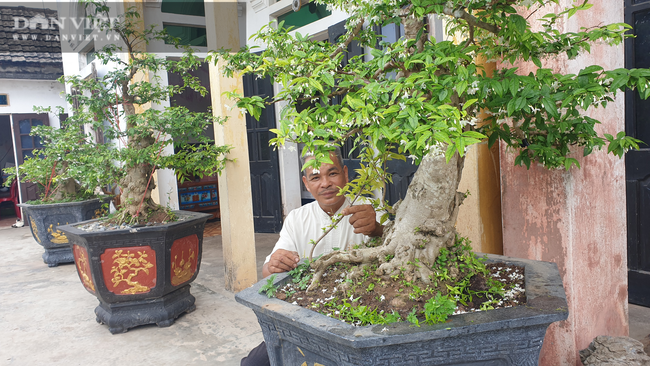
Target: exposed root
<point>361,256</point>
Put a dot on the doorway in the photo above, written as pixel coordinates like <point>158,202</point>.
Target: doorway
<point>637,163</point>
<point>264,161</point>
<point>7,160</point>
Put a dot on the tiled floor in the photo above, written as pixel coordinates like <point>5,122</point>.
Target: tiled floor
<point>212,228</point>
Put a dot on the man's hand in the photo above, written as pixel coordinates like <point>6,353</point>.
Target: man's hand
<point>363,220</point>
<point>281,261</point>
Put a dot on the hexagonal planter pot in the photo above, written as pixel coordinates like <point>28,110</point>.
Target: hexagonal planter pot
<point>44,222</point>
<point>140,275</point>
<point>510,336</point>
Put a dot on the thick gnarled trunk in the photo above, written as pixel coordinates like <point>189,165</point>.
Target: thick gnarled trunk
<point>134,188</point>
<point>425,220</point>
<point>137,184</point>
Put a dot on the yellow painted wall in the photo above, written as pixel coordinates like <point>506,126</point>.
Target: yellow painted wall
<point>479,217</point>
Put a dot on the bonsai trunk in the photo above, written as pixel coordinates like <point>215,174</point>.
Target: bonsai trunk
<point>137,184</point>
<point>67,188</point>
<point>424,223</point>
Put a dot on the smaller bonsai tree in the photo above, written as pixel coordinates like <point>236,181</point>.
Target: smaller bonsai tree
<point>117,105</point>
<point>60,166</point>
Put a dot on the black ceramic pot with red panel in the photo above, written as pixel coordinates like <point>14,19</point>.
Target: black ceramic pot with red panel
<point>44,221</point>
<point>140,275</point>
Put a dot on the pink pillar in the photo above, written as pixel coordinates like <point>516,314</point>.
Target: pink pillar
<point>576,218</point>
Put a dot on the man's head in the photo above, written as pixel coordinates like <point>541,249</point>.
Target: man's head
<point>324,183</point>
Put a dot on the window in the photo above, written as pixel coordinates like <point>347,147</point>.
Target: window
<point>186,7</point>
<point>307,14</point>
<point>90,55</point>
<point>4,100</point>
<point>27,142</point>
<point>189,36</point>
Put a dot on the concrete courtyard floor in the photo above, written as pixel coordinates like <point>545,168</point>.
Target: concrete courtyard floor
<point>47,317</point>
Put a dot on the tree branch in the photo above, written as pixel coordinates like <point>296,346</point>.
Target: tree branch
<point>470,19</point>
<point>470,39</point>
<point>345,44</point>
<point>389,66</point>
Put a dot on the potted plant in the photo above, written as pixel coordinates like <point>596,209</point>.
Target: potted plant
<point>419,98</point>
<point>140,261</point>
<point>67,186</point>
<point>508,336</point>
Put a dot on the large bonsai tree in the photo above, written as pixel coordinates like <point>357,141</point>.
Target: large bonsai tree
<point>420,98</point>
<point>121,105</point>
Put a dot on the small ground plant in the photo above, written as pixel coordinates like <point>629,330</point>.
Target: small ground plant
<point>461,282</point>
<point>269,288</point>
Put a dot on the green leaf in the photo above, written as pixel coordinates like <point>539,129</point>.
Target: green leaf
<point>461,86</point>
<point>519,22</point>
<point>613,146</point>
<point>521,103</point>
<point>422,141</point>
<point>550,107</point>
<point>460,144</point>
<point>496,86</point>
<point>354,102</point>
<point>422,128</point>
<point>474,134</point>
<point>443,94</point>
<point>590,69</point>
<point>451,150</point>
<point>328,78</point>
<point>316,85</point>
<point>441,136</point>
<point>492,139</point>
<point>514,86</point>
<point>510,107</point>
<point>469,103</point>
<point>392,109</point>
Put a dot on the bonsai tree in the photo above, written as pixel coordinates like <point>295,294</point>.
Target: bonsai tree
<point>60,167</point>
<point>419,98</point>
<point>117,106</point>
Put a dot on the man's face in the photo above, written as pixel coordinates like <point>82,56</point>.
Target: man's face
<point>324,185</point>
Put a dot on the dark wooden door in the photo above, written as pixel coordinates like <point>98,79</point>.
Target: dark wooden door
<point>637,163</point>
<point>25,145</point>
<point>264,166</point>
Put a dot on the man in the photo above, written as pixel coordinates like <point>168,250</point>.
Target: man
<point>305,224</point>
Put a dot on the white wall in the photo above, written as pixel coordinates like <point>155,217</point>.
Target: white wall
<point>23,95</point>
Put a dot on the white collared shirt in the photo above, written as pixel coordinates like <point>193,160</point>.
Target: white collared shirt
<point>307,222</point>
